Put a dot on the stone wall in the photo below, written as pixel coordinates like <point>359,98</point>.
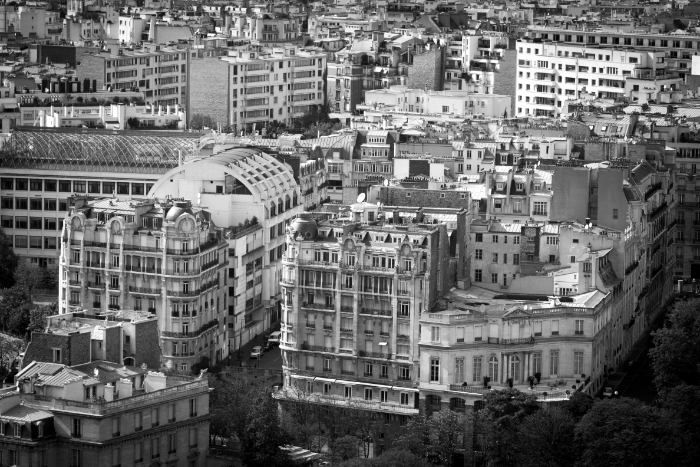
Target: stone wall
<point>427,198</point>
<point>113,337</point>
<point>427,71</point>
<point>75,348</point>
<point>147,341</point>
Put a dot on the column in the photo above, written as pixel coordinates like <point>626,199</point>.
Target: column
<point>503,366</point>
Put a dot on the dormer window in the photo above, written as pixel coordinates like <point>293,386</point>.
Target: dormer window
<point>519,186</point>
<point>538,187</point>
<point>499,186</point>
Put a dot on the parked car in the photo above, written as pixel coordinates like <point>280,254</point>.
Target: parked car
<point>267,346</point>
<point>257,352</point>
<point>274,338</point>
<point>608,391</point>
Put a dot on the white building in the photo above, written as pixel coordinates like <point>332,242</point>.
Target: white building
<point>550,73</point>
<point>458,103</point>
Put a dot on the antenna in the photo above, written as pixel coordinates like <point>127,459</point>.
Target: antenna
<point>361,197</point>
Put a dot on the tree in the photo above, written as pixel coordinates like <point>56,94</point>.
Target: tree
<point>579,404</point>
<point>626,432</point>
<point>8,261</point>
<point>670,109</point>
<point>675,356</point>
<point>29,277</point>
<point>38,315</point>
<point>322,129</point>
<point>391,458</point>
<point>248,412</point>
<point>133,122</point>
<point>675,359</point>
<point>499,421</point>
<point>546,439</point>
<point>200,121</point>
<point>51,276</point>
<point>346,447</point>
<point>645,107</point>
<point>10,348</point>
<point>14,311</point>
<point>437,438</point>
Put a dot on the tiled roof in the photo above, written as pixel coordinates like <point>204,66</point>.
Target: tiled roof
<point>23,414</point>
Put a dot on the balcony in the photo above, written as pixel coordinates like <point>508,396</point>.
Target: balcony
<point>373,312</point>
<point>94,264</point>
<point>364,353</point>
<point>330,399</point>
<point>95,285</point>
<point>316,348</point>
<point>204,328</point>
<point>469,389</point>
<point>144,290</point>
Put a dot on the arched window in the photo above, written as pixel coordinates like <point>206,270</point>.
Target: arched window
<point>273,209</point>
<point>280,206</point>
<point>287,203</point>
<point>515,367</point>
<point>294,199</point>
<point>493,368</point>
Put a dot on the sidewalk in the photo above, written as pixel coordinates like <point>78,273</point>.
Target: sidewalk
<point>233,359</point>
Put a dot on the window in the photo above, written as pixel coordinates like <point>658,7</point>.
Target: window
<point>77,428</point>
<point>536,363</point>
<point>555,327</point>
<point>614,213</point>
<point>579,327</point>
<point>494,258</point>
<point>479,238</point>
<point>7,184</point>
<point>138,452</point>
<point>138,421</point>
<point>404,373</point>
<point>155,416</point>
<point>538,328</point>
<point>478,254</point>
<point>578,362</point>
<point>369,368</point>
<point>476,369</point>
<point>155,448</point>
<point>434,369</point>
<point>459,371</point>
<point>348,392</point>
<point>75,456</point>
<point>193,438</point>
<point>171,413</point>
<point>477,275</point>
<point>540,207</point>
<point>494,278</point>
<point>516,259</point>
<point>21,184</point>
<point>193,407</point>
<point>115,426</point>
<point>435,334</point>
<point>172,443</point>
<point>35,184</point>
<point>553,362</point>
<point>494,238</point>
<point>56,355</point>
<point>404,398</point>
<point>368,394</point>
<point>35,204</point>
<point>493,368</point>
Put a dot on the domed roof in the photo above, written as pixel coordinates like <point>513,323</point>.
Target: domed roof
<point>305,226</point>
<point>176,211</point>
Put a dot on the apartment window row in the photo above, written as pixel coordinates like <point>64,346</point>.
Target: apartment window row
<point>74,186</point>
<point>514,239</point>
<point>36,242</point>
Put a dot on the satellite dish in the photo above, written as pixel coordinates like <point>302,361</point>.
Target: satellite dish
<point>361,198</point>
<point>386,182</point>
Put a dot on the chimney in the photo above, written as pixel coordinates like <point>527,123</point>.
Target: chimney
<point>109,392</point>
<point>154,381</point>
<point>124,388</point>
<point>594,269</point>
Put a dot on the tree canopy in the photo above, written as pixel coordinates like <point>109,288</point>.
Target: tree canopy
<point>8,261</point>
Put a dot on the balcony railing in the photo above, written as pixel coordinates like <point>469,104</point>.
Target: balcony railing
<point>95,285</point>
<point>364,353</point>
<point>205,327</point>
<point>144,290</point>
<point>316,348</point>
<point>471,389</point>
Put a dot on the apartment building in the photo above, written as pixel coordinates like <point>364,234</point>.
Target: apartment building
<point>103,413</point>
<point>160,72</point>
<point>166,257</point>
<point>253,196</point>
<point>518,194</point>
<point>473,59</point>
<point>265,28</point>
<point>469,345</point>
<point>277,84</point>
<point>550,73</point>
<point>369,63</point>
<point>354,289</point>
<point>677,49</point>
<point>65,163</point>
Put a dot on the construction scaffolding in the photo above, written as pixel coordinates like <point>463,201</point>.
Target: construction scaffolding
<point>149,152</point>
